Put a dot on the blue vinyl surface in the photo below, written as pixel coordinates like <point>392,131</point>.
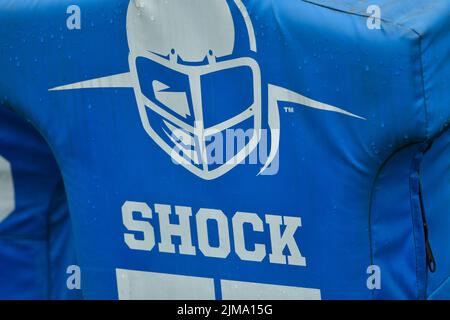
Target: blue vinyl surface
<point>345,110</point>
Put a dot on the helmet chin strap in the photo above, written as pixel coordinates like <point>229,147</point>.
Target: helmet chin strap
<point>274,125</point>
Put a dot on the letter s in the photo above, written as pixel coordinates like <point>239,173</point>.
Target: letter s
<point>148,241</point>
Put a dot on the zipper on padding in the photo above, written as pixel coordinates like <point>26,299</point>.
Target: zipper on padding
<point>425,260</point>
<point>431,262</point>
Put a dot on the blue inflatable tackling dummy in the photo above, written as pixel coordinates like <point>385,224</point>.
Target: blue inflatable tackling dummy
<point>234,149</point>
<point>36,245</point>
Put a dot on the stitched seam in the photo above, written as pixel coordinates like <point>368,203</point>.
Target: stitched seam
<point>361,15</point>
<point>424,93</point>
<point>413,212</point>
<point>420,38</point>
<point>372,192</point>
<point>49,212</point>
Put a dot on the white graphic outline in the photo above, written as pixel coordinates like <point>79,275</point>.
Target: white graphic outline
<point>276,94</point>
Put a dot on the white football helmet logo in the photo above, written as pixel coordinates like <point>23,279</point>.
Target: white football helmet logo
<point>177,49</point>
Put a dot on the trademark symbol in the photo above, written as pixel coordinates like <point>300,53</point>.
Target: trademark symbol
<point>289,109</point>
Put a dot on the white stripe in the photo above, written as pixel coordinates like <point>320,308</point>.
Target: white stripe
<point>237,290</point>
<point>279,94</point>
<point>140,285</point>
<point>122,80</point>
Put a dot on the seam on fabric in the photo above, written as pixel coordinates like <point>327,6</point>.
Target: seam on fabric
<point>424,92</point>
<point>51,207</point>
<point>427,127</point>
<point>371,196</point>
<point>412,213</point>
<point>420,40</point>
<point>47,252</point>
<point>431,141</point>
<point>361,15</point>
